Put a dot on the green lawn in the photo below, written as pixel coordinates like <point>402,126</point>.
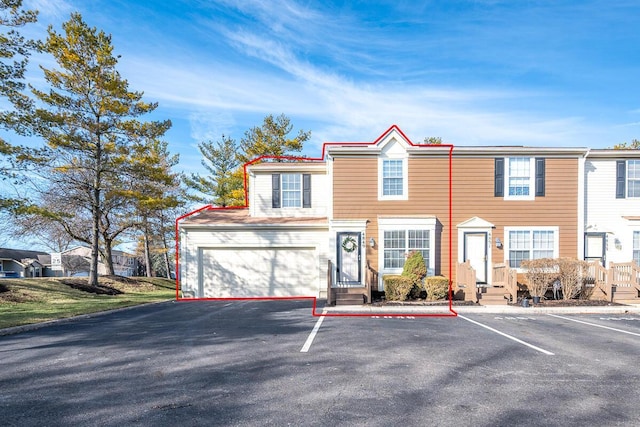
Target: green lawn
<point>26,301</point>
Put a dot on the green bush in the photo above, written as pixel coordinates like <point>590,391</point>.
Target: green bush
<point>437,287</point>
<point>397,288</point>
<point>415,268</point>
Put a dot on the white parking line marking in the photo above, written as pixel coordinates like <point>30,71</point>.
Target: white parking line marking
<point>312,335</point>
<point>541,350</point>
<point>596,325</point>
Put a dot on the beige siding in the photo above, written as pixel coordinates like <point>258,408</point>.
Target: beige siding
<point>356,197</point>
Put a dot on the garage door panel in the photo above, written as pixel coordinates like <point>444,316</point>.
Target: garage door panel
<point>258,272</point>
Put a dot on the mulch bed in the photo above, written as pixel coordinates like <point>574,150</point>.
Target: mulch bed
<point>570,303</point>
<point>419,303</point>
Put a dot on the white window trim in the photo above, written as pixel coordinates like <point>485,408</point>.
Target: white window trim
<point>556,240</point>
<point>301,191</point>
<point>392,224</point>
<point>633,231</point>
<point>405,177</point>
<point>626,183</point>
<point>532,179</point>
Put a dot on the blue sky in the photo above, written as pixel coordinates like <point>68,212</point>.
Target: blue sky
<point>478,72</point>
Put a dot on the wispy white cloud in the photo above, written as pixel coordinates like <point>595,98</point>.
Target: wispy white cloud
<point>49,9</point>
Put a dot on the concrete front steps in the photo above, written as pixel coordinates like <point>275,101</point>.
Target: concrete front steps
<point>488,295</point>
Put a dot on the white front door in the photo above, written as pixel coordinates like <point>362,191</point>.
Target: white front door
<point>349,251</point>
<point>475,251</point>
<point>595,247</point>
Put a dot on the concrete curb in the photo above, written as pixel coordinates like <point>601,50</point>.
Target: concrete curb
<point>35,326</point>
<point>487,309</point>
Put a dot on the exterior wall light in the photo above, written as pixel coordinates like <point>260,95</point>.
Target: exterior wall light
<point>372,242</point>
<point>498,243</point>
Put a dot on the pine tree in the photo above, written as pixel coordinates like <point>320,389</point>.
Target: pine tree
<point>89,122</point>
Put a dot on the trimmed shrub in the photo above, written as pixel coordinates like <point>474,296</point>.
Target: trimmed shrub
<point>415,268</point>
<point>397,288</point>
<point>437,287</point>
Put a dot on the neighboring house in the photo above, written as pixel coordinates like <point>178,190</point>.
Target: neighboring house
<point>76,262</point>
<point>612,206</point>
<point>353,215</point>
<point>275,247</point>
<point>24,263</point>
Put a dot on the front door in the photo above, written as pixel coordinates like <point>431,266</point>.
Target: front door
<point>475,251</point>
<point>595,247</point>
<point>348,269</point>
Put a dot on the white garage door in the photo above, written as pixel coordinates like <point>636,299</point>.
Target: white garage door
<point>258,272</point>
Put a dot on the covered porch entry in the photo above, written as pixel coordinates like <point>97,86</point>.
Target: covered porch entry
<point>347,273</point>
<point>477,277</point>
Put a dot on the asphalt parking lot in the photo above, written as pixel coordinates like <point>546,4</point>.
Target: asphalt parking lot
<point>273,363</point>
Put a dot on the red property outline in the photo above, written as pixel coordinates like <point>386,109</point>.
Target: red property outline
<point>452,313</point>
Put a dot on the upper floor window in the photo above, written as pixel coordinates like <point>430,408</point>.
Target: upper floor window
<point>633,178</point>
<point>392,179</point>
<point>290,190</point>
<point>519,178</point>
<point>627,179</point>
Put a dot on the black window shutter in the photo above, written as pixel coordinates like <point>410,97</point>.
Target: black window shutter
<point>499,178</point>
<point>621,178</point>
<point>540,177</point>
<point>306,190</point>
<point>275,190</point>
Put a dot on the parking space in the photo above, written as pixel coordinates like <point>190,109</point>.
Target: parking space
<point>242,363</point>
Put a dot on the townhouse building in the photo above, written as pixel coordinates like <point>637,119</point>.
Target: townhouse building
<point>334,226</point>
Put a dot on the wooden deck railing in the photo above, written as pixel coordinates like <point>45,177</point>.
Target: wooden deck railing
<point>506,277</point>
<point>466,279</point>
<point>331,299</point>
<point>371,281</point>
<point>624,274</point>
<point>598,277</point>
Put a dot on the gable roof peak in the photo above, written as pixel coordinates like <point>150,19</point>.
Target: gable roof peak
<point>393,134</point>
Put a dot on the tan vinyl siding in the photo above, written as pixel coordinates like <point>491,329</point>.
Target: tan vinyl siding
<point>356,197</point>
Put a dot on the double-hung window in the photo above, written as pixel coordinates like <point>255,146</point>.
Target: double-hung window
<point>291,190</point>
<point>636,247</point>
<point>525,244</point>
<point>392,177</point>
<point>519,178</point>
<point>633,178</point>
